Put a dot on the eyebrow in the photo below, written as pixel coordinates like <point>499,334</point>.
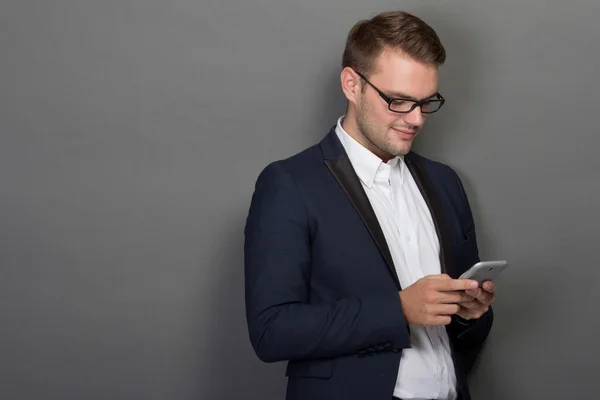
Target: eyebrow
<point>399,95</point>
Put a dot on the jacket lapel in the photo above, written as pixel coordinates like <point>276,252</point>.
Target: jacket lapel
<point>346,177</point>
<point>424,185</point>
<point>338,163</point>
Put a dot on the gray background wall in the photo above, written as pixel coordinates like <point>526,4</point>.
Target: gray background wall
<point>131,134</point>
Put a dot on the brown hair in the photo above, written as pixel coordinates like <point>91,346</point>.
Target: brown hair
<point>396,29</point>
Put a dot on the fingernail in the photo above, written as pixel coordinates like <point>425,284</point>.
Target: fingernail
<point>474,284</point>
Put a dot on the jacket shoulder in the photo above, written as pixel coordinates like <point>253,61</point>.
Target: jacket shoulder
<point>299,165</point>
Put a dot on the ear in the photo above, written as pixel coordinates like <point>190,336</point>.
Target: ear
<point>351,85</point>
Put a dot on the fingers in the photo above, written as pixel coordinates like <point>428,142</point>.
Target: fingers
<point>489,286</point>
<point>472,313</point>
<point>449,285</point>
<point>459,296</point>
<point>481,295</point>
<point>439,277</point>
<point>444,309</point>
<point>471,305</point>
<point>442,296</point>
<point>439,314</point>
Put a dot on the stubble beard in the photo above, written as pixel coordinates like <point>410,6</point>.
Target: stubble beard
<point>379,140</point>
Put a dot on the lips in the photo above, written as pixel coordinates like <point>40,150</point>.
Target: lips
<point>404,133</point>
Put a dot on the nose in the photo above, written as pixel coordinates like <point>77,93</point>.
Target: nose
<point>415,117</point>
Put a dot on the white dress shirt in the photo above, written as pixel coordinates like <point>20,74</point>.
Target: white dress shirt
<point>426,369</point>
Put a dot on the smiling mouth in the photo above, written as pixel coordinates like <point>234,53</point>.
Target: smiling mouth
<point>403,132</point>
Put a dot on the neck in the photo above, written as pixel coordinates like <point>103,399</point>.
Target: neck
<point>350,125</point>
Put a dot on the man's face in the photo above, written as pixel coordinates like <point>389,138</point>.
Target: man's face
<point>388,133</point>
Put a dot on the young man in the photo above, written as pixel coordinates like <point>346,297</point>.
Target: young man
<point>354,246</point>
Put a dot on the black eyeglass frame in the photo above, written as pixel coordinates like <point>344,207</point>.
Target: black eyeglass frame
<point>416,103</point>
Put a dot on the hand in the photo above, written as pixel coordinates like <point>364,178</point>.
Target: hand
<point>432,300</point>
<point>483,297</point>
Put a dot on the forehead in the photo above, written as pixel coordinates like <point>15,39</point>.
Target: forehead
<point>396,72</point>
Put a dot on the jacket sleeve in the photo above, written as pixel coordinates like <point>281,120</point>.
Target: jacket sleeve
<point>283,322</point>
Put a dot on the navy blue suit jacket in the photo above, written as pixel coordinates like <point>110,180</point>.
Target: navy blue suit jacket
<point>321,287</point>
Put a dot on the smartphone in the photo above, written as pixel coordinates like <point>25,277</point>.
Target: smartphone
<point>485,271</point>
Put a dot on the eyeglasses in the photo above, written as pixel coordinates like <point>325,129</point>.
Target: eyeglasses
<point>404,106</point>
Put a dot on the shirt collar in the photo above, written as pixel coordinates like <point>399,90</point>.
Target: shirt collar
<point>365,163</point>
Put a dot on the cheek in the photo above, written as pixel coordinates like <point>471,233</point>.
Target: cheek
<point>386,117</point>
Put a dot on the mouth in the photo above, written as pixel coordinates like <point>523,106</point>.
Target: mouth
<point>405,133</point>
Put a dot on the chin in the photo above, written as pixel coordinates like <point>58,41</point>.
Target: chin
<point>403,149</point>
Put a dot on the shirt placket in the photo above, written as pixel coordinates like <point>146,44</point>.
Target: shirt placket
<point>409,237</point>
<point>405,225</point>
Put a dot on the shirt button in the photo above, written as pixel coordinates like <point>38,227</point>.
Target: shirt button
<point>407,238</point>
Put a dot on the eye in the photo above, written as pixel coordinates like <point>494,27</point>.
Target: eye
<point>401,105</point>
